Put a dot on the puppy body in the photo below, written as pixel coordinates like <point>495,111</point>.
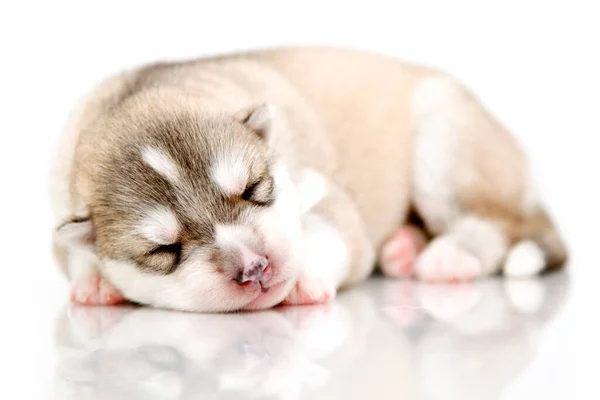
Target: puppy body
<point>355,141</point>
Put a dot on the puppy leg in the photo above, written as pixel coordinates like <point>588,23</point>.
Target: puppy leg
<point>337,250</point>
<point>470,248</point>
<point>88,287</point>
<point>326,257</point>
<point>75,254</point>
<point>472,187</point>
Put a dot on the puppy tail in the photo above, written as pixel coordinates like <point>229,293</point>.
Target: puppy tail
<point>546,236</point>
<point>538,247</point>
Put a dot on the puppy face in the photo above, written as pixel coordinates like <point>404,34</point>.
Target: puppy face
<point>190,210</point>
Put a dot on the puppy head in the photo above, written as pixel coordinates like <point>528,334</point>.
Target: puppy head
<point>188,210</point>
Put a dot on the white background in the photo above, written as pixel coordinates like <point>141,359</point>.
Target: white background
<point>533,63</point>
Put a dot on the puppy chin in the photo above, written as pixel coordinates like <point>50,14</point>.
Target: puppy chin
<point>189,288</point>
<point>271,297</point>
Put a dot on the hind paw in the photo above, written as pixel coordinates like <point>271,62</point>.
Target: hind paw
<point>444,261</point>
<point>400,251</point>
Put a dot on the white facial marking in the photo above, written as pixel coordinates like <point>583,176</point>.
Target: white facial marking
<point>230,174</point>
<point>227,234</point>
<point>524,259</point>
<point>161,163</point>
<point>159,226</point>
<point>239,238</point>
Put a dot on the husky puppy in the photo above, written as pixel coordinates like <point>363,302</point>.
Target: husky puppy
<point>241,181</point>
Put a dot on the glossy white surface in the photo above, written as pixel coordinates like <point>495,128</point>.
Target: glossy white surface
<point>382,340</point>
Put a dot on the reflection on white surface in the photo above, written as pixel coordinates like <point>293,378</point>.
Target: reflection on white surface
<point>383,339</point>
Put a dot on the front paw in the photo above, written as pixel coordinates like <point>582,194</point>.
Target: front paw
<point>95,291</point>
<point>310,290</point>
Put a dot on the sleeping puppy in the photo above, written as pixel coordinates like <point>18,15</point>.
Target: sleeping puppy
<point>238,182</point>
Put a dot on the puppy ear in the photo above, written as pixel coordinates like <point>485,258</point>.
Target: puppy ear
<point>259,119</point>
<point>77,231</point>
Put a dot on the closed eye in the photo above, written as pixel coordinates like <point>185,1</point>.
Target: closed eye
<point>260,192</point>
<point>250,190</point>
<point>173,249</point>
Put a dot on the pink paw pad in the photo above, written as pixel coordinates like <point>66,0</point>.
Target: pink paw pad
<point>95,291</point>
<point>309,291</point>
<point>400,251</point>
<point>444,261</point>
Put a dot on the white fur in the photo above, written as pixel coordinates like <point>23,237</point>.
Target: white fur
<point>326,255</point>
<point>82,262</point>
<point>159,226</point>
<point>161,163</point>
<point>524,259</point>
<point>280,224</point>
<point>484,239</point>
<point>232,234</point>
<point>230,174</point>
<point>436,148</point>
<point>239,238</point>
<point>311,188</point>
